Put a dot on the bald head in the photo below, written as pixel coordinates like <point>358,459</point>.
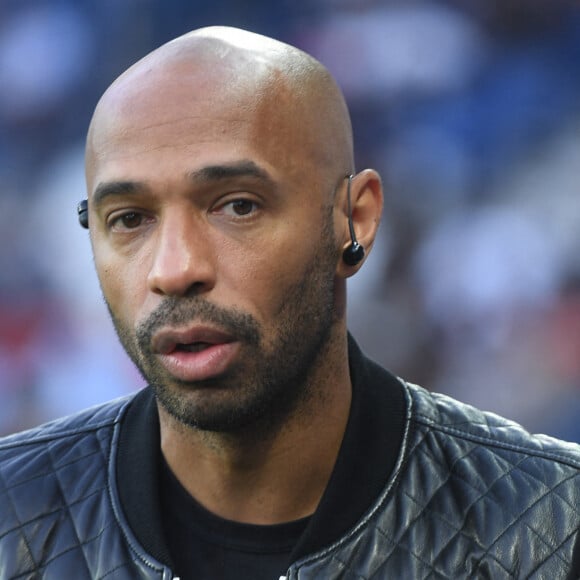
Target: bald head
<point>216,169</point>
<point>253,83</point>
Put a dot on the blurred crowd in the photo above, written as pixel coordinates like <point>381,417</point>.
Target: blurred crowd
<point>470,109</point>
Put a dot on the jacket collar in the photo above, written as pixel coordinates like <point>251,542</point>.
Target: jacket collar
<point>367,458</point>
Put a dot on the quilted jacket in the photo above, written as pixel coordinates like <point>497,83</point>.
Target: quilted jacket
<point>469,495</point>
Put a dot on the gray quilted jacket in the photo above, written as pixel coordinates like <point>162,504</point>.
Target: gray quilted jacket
<point>466,495</point>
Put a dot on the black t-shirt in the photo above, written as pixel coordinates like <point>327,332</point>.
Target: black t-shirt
<point>204,546</point>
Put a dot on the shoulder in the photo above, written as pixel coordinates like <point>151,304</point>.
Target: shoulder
<point>57,498</point>
<point>509,498</point>
<point>87,421</point>
<point>481,492</point>
<point>465,425</point>
<point>70,446</point>
<point>47,470</point>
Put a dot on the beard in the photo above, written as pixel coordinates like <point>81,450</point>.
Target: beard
<point>270,377</point>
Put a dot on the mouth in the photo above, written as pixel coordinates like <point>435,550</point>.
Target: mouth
<point>192,347</point>
<point>194,339</point>
<point>195,354</point>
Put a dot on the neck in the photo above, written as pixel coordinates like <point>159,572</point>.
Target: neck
<point>273,474</point>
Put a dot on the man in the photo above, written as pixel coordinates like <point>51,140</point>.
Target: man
<point>225,217</point>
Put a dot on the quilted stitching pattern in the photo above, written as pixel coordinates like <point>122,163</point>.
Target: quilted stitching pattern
<point>57,520</point>
<point>476,497</point>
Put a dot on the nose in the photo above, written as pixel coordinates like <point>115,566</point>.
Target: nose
<point>182,260</point>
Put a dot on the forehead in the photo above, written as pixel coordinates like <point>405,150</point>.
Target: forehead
<point>164,114</point>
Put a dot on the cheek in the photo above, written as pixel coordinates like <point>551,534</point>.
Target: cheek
<point>272,257</point>
<point>266,276</point>
<point>120,284</point>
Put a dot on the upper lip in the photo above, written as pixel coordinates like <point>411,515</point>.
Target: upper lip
<point>165,341</point>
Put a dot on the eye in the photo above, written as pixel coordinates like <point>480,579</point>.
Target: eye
<point>239,207</point>
<point>126,221</point>
<point>242,206</point>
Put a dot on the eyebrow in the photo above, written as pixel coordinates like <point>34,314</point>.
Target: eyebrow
<point>210,173</point>
<point>245,168</point>
<point>112,188</point>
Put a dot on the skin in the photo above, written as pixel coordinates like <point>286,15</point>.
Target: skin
<point>217,199</point>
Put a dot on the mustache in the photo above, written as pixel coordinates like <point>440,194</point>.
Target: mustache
<point>183,311</point>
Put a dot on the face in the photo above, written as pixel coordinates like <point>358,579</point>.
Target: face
<point>215,248</point>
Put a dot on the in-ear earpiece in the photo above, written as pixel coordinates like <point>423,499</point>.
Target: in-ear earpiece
<point>354,253</point>
<point>83,213</point>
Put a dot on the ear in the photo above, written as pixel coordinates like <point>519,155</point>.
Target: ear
<point>366,193</point>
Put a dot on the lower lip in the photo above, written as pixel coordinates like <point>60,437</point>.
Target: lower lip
<point>199,366</point>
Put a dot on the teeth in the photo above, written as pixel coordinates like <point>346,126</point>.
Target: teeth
<point>193,347</point>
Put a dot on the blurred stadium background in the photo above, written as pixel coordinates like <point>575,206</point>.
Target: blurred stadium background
<point>470,109</point>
